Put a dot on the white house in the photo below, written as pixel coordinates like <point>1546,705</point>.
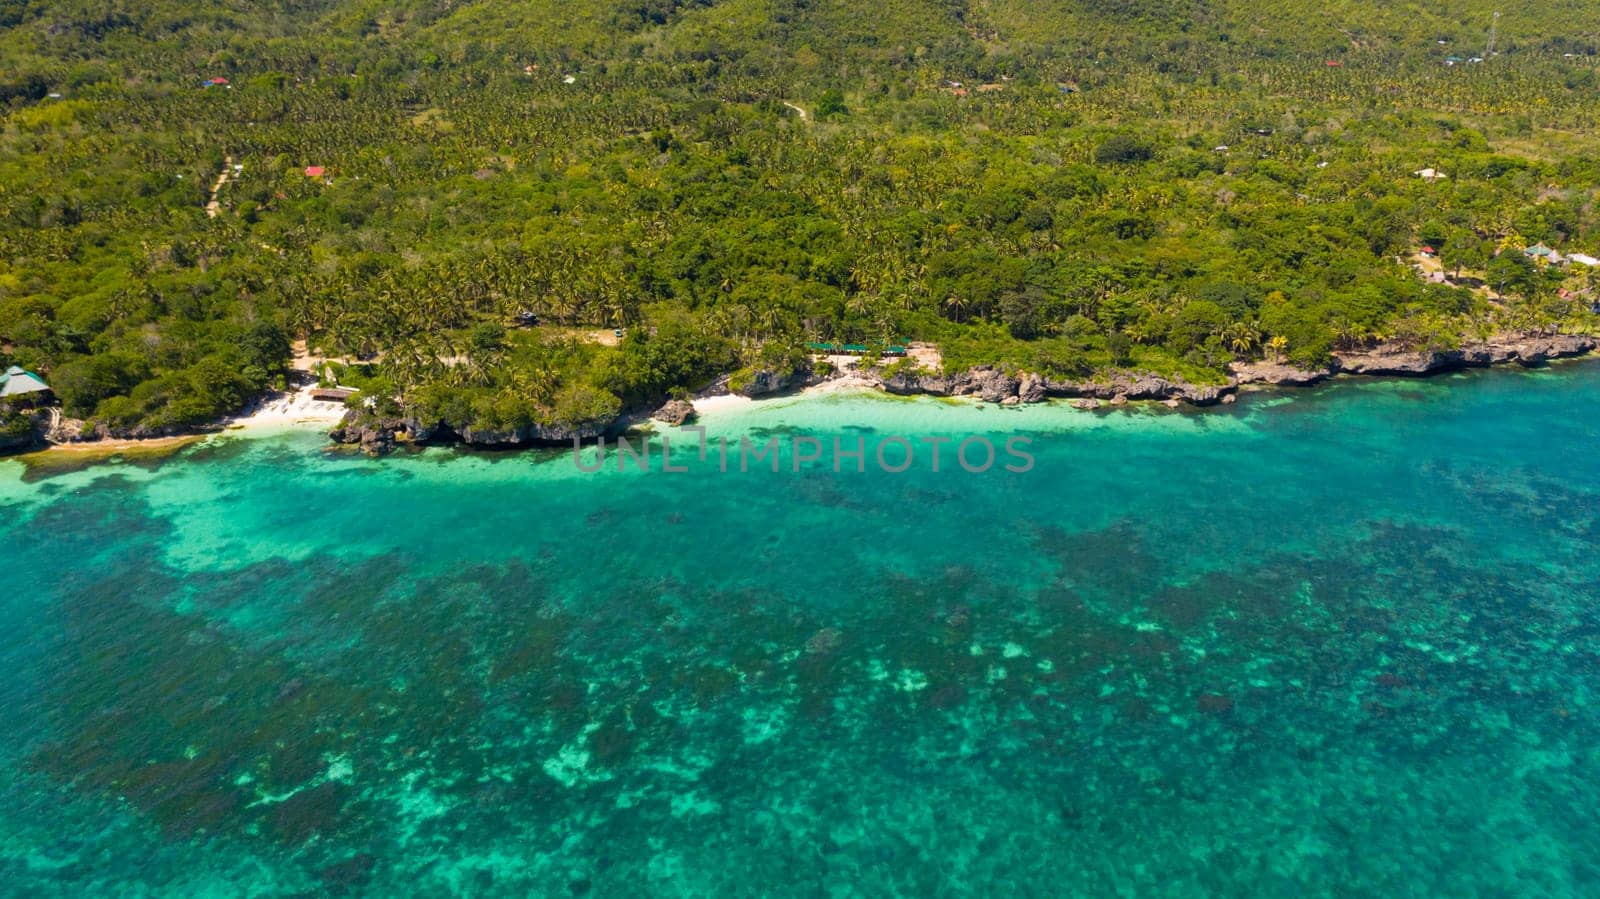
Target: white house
<point>18,382</point>
<point>1583,259</point>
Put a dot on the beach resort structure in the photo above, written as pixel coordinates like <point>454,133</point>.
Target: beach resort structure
<point>855,349</point>
<point>20,385</point>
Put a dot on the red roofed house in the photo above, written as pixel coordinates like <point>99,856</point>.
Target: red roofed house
<point>315,171</point>
<point>1429,251</point>
<point>1334,63</point>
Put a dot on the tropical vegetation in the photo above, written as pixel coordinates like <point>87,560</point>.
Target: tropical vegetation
<point>465,203</point>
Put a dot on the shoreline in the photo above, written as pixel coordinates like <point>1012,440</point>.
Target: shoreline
<point>272,413</point>
<point>1253,378</point>
<point>295,408</point>
<point>983,385</point>
<point>112,446</point>
<point>989,385</point>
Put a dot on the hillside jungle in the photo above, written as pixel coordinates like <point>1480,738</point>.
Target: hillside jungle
<point>503,213</point>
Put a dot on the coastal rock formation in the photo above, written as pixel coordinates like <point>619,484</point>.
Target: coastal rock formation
<point>1125,386</point>
<point>675,412</point>
<point>533,434</point>
<point>44,427</point>
<point>991,385</point>
<point>904,384</point>
<point>765,382</point>
<point>1278,374</point>
<point>1031,389</point>
<point>19,432</point>
<point>73,430</point>
<point>985,382</point>
<point>1390,359</point>
<point>1398,360</point>
<point>378,436</point>
<point>1398,363</point>
<point>1533,350</point>
<point>77,431</point>
<point>1152,388</point>
<point>995,386</point>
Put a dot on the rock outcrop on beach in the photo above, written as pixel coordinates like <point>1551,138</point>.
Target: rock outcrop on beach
<point>534,434</point>
<point>378,436</point>
<point>766,382</point>
<point>1031,388</point>
<point>675,412</point>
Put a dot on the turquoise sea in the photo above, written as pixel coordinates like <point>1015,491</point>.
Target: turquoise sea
<point>1342,642</point>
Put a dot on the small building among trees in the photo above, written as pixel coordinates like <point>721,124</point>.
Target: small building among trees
<point>21,387</point>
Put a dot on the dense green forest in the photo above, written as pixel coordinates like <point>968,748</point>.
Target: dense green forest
<point>464,194</point>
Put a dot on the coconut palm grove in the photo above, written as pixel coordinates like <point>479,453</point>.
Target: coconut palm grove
<point>453,198</point>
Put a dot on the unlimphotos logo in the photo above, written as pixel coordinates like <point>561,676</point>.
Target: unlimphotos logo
<point>893,454</point>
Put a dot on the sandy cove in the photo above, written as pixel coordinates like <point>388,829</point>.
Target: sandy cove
<point>296,408</point>
<point>848,383</point>
<point>273,413</point>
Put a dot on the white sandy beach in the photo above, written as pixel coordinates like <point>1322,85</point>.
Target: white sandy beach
<point>712,405</point>
<point>848,383</point>
<point>294,408</point>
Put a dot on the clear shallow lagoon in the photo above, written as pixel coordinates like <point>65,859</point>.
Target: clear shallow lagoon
<point>1341,642</point>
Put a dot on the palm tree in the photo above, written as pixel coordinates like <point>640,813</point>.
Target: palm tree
<point>770,320</point>
<point>1278,344</point>
<point>1241,337</point>
<point>1345,333</point>
<point>615,309</point>
<point>563,308</point>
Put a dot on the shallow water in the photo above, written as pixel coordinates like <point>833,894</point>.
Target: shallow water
<point>1340,642</point>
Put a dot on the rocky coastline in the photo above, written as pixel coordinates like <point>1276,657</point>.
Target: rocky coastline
<point>23,432</point>
<point>1390,360</point>
<point>991,384</point>
<point>40,431</point>
<point>379,435</point>
<point>1522,350</point>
